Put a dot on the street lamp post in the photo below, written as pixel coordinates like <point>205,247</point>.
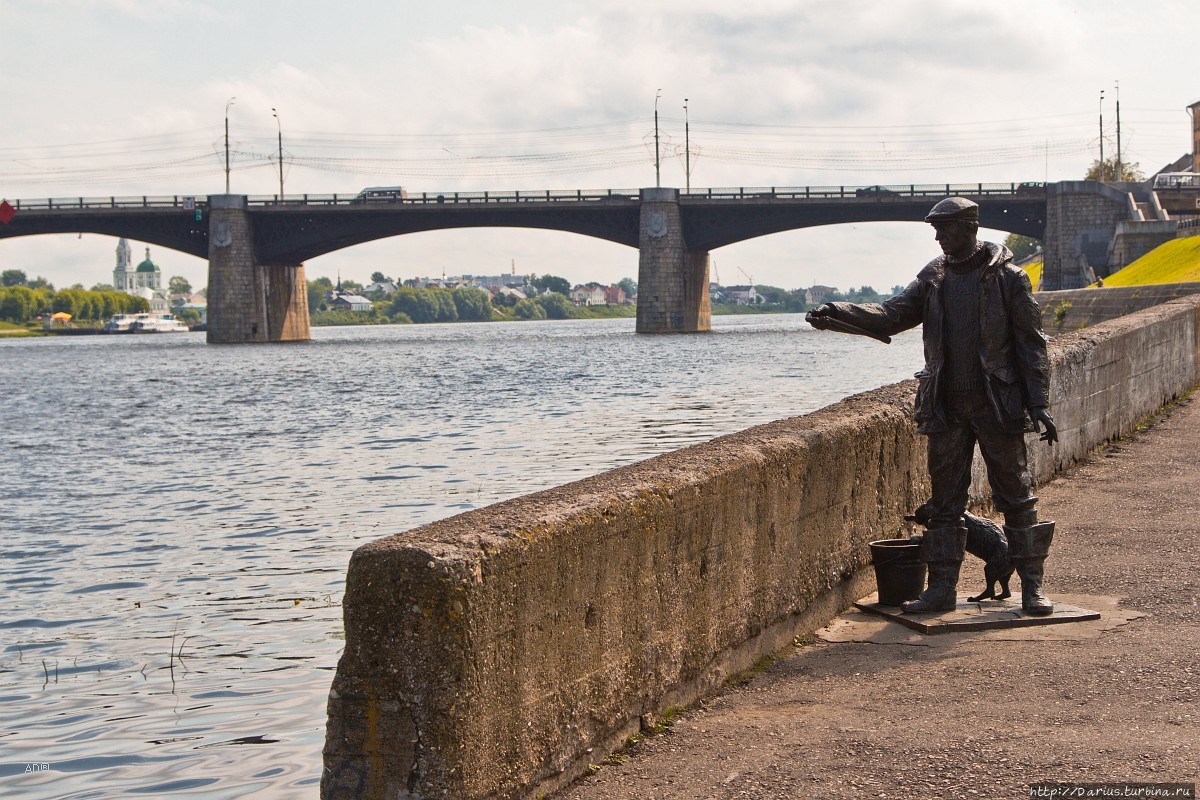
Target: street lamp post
<point>227,105</point>
<point>657,172</point>
<point>687,150</point>
<point>1101,134</point>
<point>1120,172</point>
<point>279,130</point>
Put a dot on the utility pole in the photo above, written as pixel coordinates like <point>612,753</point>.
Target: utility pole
<point>227,105</point>
<point>657,172</point>
<point>1102,135</point>
<point>1120,172</point>
<point>279,129</point>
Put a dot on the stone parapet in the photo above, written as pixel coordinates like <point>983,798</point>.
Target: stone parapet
<point>495,654</point>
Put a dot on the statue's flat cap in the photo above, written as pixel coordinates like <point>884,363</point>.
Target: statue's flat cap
<point>952,209</point>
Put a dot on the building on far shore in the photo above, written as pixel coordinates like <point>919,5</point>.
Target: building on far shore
<point>144,280</point>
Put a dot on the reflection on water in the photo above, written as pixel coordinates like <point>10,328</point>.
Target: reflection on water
<point>176,519</point>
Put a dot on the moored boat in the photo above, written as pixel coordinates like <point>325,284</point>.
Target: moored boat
<point>144,323</point>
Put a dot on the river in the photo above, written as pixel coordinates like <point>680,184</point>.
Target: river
<point>176,518</point>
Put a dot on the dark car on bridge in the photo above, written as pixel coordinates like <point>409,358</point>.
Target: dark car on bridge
<point>874,191</point>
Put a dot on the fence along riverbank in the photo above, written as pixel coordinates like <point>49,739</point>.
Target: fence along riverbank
<point>497,653</point>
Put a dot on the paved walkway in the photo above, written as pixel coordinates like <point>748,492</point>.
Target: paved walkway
<point>871,709</point>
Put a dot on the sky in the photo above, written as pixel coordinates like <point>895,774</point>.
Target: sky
<point>130,97</point>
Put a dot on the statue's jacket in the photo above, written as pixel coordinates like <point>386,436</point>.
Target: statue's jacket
<point>1012,347</point>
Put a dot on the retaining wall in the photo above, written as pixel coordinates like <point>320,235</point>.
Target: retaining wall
<point>495,654</point>
<point>1072,309</point>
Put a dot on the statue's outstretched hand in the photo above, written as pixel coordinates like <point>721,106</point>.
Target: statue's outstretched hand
<point>819,317</point>
<point>1042,417</point>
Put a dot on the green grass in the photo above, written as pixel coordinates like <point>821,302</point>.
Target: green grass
<point>606,312</point>
<point>1177,261</point>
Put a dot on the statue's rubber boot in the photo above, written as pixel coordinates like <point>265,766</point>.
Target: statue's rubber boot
<point>942,551</point>
<point>1028,547</point>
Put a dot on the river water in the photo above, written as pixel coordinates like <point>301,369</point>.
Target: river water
<point>176,518</point>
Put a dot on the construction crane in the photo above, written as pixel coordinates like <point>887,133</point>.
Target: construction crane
<point>749,277</point>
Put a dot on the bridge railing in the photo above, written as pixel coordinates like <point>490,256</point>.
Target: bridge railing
<point>453,198</point>
<point>552,196</point>
<point>881,192</point>
<point>187,202</point>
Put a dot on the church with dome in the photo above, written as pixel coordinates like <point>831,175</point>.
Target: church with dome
<point>144,280</point>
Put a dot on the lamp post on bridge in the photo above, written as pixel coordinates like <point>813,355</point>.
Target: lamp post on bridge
<point>227,105</point>
<point>657,172</point>
<point>1102,135</point>
<point>1120,172</point>
<point>279,130</point>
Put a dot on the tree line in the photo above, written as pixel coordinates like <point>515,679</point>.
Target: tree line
<point>21,303</point>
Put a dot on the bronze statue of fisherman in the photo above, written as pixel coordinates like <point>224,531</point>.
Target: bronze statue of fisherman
<point>985,381</point>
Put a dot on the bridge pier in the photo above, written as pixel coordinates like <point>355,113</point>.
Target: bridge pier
<point>672,280</point>
<point>248,301</point>
<point>1094,229</point>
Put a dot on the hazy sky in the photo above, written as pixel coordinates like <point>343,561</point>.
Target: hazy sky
<point>128,97</point>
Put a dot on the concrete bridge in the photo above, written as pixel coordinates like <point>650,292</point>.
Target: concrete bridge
<point>256,246</point>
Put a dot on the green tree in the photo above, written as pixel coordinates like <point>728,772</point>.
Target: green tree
<point>556,305</point>
<point>17,303</point>
<point>179,285</point>
<point>552,283</point>
<point>425,305</point>
<point>771,294</point>
<point>443,300</point>
<point>1129,171</point>
<point>189,316</point>
<point>317,289</point>
<point>529,308</point>
<point>378,277</point>
<point>12,277</point>
<point>1021,246</point>
<point>40,283</point>
<point>473,304</point>
<point>103,287</point>
<point>628,286</point>
<point>504,299</point>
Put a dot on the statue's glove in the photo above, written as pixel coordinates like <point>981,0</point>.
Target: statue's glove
<point>819,317</point>
<point>1042,417</point>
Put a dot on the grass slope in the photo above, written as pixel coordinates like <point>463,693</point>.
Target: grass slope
<point>1034,271</point>
<point>1177,261</point>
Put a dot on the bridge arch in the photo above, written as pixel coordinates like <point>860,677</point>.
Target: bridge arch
<point>484,250</point>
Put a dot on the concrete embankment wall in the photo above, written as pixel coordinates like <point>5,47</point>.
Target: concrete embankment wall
<point>1072,309</point>
<point>495,654</point>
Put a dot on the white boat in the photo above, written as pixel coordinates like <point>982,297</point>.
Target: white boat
<point>145,323</point>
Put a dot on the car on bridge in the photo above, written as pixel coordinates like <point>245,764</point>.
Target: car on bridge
<point>874,191</point>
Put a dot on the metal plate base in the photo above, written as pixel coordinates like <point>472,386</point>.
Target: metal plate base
<point>985,615</point>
